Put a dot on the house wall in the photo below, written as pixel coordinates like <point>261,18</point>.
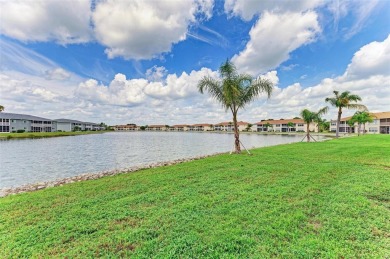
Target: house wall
<point>64,126</point>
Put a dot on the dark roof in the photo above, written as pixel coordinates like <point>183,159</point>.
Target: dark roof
<point>75,121</point>
<point>67,120</point>
<point>15,116</point>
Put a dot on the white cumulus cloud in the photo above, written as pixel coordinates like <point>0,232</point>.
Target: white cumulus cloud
<point>41,20</point>
<point>144,29</point>
<point>246,9</point>
<point>273,37</point>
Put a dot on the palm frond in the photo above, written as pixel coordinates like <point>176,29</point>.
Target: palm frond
<point>354,97</point>
<point>332,101</point>
<point>356,106</point>
<point>213,87</point>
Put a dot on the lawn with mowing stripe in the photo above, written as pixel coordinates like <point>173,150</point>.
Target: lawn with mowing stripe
<point>326,199</point>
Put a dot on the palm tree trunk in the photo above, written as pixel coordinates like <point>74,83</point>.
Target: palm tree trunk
<point>364,128</point>
<point>338,122</point>
<point>359,129</point>
<point>236,134</point>
<point>308,132</point>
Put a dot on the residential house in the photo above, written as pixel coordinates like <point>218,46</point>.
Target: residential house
<point>179,127</point>
<point>228,126</point>
<point>127,127</point>
<point>380,124</point>
<point>282,125</point>
<point>12,122</point>
<point>201,127</point>
<point>158,128</point>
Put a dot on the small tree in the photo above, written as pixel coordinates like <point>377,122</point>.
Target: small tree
<point>344,100</point>
<point>362,118</point>
<point>351,124</point>
<point>290,125</point>
<point>309,117</point>
<point>233,91</point>
<point>267,125</point>
<point>1,108</point>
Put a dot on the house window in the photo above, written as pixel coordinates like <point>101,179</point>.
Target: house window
<point>300,125</point>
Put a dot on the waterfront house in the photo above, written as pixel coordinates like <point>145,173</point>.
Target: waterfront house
<point>12,122</point>
<point>127,127</point>
<point>180,127</point>
<point>282,125</point>
<point>379,125</point>
<point>158,128</point>
<point>228,126</point>
<point>201,127</point>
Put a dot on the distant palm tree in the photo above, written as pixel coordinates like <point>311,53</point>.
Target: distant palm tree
<point>248,127</point>
<point>1,108</point>
<point>351,124</point>
<point>290,125</point>
<point>267,125</point>
<point>234,91</point>
<point>362,118</point>
<point>344,100</point>
<point>309,117</point>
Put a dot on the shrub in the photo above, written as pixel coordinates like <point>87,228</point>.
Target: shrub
<point>20,131</point>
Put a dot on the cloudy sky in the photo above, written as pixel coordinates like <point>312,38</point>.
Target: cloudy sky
<point>140,61</point>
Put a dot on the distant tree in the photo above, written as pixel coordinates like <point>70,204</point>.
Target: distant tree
<point>290,125</point>
<point>362,118</point>
<point>248,127</point>
<point>344,100</point>
<point>142,128</point>
<point>1,108</point>
<point>233,91</point>
<point>267,125</point>
<point>309,117</point>
<point>297,118</point>
<point>351,124</point>
<point>102,124</point>
<point>325,125</point>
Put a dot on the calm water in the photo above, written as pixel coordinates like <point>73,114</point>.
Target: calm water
<point>36,160</point>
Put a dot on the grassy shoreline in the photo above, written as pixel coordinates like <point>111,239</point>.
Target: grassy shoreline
<point>324,199</point>
<point>46,134</point>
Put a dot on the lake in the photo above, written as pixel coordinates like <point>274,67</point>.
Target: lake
<point>26,161</point>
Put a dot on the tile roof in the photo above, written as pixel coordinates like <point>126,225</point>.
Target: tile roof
<point>378,115</point>
<point>280,121</point>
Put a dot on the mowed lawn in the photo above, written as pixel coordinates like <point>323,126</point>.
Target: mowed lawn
<point>305,200</point>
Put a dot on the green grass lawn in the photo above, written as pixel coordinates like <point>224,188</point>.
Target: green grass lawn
<point>45,134</point>
<point>306,200</point>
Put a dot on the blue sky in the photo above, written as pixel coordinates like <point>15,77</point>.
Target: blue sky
<point>139,61</point>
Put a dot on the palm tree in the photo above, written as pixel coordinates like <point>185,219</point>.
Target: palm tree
<point>351,123</point>
<point>344,100</point>
<point>362,118</point>
<point>309,117</point>
<point>267,125</point>
<point>234,91</point>
<point>290,125</point>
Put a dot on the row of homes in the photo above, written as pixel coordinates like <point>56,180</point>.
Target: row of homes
<point>282,125</point>
<point>380,124</point>
<point>12,122</point>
